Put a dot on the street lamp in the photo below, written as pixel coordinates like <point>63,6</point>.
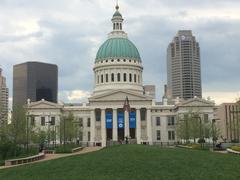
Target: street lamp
<point>49,122</point>
<point>213,133</point>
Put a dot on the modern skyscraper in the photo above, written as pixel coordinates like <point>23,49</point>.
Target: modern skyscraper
<point>183,66</point>
<point>3,99</point>
<point>34,81</point>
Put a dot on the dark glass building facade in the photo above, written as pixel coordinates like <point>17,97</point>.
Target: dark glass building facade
<point>34,81</point>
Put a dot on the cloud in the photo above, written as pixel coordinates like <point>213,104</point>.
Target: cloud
<point>220,97</point>
<point>75,95</point>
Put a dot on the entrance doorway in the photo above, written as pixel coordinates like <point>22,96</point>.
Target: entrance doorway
<point>121,134</point>
<point>109,134</point>
<point>132,133</point>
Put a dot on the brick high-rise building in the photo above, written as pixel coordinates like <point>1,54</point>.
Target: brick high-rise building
<point>183,66</point>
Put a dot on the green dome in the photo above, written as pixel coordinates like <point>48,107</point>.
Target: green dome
<point>117,48</point>
<point>117,13</point>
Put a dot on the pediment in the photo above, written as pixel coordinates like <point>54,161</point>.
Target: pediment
<point>44,105</point>
<point>196,102</point>
<point>120,95</point>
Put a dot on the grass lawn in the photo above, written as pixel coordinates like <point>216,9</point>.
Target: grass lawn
<point>133,162</point>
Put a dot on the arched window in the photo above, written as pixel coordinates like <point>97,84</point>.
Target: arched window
<point>112,77</point>
<point>101,78</point>
<point>98,79</point>
<point>120,26</point>
<point>119,77</point>
<point>138,79</point>
<point>106,77</point>
<point>124,77</point>
<point>114,26</point>
<point>117,26</point>
<point>135,78</point>
<point>130,77</point>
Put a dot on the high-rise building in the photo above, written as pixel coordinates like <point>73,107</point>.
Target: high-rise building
<point>3,99</point>
<point>34,81</point>
<point>183,66</point>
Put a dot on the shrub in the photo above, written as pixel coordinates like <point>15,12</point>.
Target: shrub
<point>67,149</point>
<point>236,148</point>
<point>196,146</point>
<point>201,140</point>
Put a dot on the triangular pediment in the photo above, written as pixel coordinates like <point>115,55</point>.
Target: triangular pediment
<point>44,105</point>
<point>196,102</point>
<point>120,95</point>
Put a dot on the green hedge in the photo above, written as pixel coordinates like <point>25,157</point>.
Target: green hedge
<point>236,148</point>
<point>67,149</point>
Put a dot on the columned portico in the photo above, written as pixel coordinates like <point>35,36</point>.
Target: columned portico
<point>115,127</point>
<point>93,125</point>
<point>149,126</point>
<point>103,127</point>
<point>138,126</point>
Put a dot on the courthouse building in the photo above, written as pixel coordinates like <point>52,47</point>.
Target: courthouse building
<point>118,79</point>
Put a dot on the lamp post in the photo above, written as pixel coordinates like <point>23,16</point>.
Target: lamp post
<point>49,122</point>
<point>213,132</point>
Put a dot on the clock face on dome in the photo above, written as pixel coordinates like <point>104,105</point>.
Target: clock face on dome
<point>183,37</point>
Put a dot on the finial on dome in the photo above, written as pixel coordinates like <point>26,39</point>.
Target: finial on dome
<point>117,7</point>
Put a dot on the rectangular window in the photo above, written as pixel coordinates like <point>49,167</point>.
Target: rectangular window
<point>130,77</point>
<point>101,78</point>
<point>171,135</point>
<point>98,115</point>
<point>52,121</point>
<point>171,121</point>
<point>135,78</point>
<point>88,122</point>
<point>32,121</point>
<point>106,77</point>
<point>119,77</point>
<point>158,123</point>
<point>124,77</point>
<point>89,135</point>
<point>80,122</point>
<point>143,114</point>
<point>42,121</point>
<point>112,77</point>
<point>158,135</point>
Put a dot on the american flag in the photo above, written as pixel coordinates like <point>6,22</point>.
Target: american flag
<point>126,106</point>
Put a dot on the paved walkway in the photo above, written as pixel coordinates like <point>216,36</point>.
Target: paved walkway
<point>56,156</point>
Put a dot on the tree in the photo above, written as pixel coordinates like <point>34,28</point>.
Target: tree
<point>18,126</point>
<point>191,126</point>
<point>67,128</point>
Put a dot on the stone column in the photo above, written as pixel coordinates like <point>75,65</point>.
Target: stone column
<point>85,132</point>
<point>149,126</point>
<point>92,128</point>
<point>126,124</point>
<point>138,126</point>
<point>115,126</point>
<point>103,127</point>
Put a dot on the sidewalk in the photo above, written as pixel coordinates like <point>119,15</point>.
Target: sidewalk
<point>49,157</point>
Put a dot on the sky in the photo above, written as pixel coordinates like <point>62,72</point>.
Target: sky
<point>69,32</point>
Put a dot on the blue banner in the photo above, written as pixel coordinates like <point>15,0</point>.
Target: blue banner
<point>120,120</point>
<point>109,120</point>
<point>132,119</point>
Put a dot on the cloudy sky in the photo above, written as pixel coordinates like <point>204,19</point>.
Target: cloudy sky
<point>69,33</point>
